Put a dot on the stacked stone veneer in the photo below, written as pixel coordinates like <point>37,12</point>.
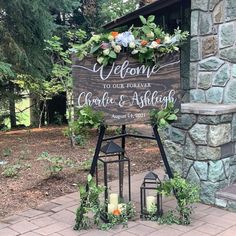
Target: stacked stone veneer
<point>213,51</point>
<point>201,145</point>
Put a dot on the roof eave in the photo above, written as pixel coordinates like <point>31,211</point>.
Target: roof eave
<point>146,10</point>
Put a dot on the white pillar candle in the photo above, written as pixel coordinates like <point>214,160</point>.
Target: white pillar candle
<point>110,208</point>
<point>150,202</point>
<point>121,207</point>
<point>114,199</point>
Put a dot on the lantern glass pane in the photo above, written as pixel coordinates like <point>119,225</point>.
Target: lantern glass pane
<point>112,168</point>
<point>151,201</point>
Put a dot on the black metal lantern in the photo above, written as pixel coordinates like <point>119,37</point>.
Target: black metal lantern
<point>151,200</point>
<point>114,154</point>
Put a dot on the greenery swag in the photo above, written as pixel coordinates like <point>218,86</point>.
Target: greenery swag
<point>90,204</point>
<point>146,43</point>
<point>186,194</point>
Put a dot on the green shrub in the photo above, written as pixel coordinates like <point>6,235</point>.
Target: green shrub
<point>80,139</point>
<point>11,171</point>
<point>7,152</point>
<point>87,119</point>
<point>24,154</point>
<point>56,163</point>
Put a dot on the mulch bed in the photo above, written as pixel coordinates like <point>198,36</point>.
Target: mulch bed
<point>33,184</point>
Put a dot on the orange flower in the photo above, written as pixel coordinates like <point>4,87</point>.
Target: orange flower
<point>116,212</point>
<point>114,34</point>
<point>144,42</point>
<point>158,41</point>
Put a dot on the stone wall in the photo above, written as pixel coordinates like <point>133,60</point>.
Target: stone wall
<point>202,144</point>
<point>213,51</point>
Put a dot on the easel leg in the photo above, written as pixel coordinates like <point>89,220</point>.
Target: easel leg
<point>162,151</point>
<point>123,131</point>
<point>121,167</point>
<point>97,150</point>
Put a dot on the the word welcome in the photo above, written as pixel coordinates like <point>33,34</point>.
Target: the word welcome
<point>124,70</point>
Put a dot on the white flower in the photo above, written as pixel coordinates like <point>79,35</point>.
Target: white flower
<point>176,48</point>
<point>117,48</point>
<point>154,44</point>
<point>132,44</point>
<point>167,39</point>
<point>150,35</point>
<point>100,60</point>
<point>124,38</point>
<point>106,52</point>
<point>134,52</point>
<point>113,44</point>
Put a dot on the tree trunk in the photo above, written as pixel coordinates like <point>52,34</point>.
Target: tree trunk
<point>69,102</point>
<point>41,120</point>
<point>34,110</point>
<point>12,105</point>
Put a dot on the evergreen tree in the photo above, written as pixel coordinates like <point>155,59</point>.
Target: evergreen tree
<point>24,25</point>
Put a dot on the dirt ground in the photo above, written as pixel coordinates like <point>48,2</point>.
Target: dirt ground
<point>33,183</point>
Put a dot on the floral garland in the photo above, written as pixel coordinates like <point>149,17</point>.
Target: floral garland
<point>146,43</point>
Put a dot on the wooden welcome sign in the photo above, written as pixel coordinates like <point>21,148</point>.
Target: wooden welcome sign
<point>126,90</point>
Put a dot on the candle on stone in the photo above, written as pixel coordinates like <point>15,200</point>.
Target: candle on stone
<point>121,207</point>
<point>114,199</point>
<point>150,202</point>
<point>110,208</point>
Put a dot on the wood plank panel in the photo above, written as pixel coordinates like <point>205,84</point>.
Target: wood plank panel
<point>126,90</point>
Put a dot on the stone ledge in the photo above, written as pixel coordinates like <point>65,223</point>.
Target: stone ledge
<point>228,193</point>
<point>207,108</point>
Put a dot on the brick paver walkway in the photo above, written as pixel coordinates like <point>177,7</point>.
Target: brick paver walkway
<point>56,218</point>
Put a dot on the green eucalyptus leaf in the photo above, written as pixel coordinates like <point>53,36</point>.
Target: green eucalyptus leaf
<point>170,105</point>
<point>94,49</point>
<point>151,18</point>
<point>143,20</point>
<point>161,113</point>
<point>112,54</point>
<point>89,178</point>
<point>162,122</point>
<point>146,29</point>
<point>158,32</point>
<point>153,25</point>
<point>105,61</point>
<point>143,50</point>
<point>135,33</point>
<point>172,117</point>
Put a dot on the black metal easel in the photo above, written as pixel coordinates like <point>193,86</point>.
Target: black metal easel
<point>123,136</point>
